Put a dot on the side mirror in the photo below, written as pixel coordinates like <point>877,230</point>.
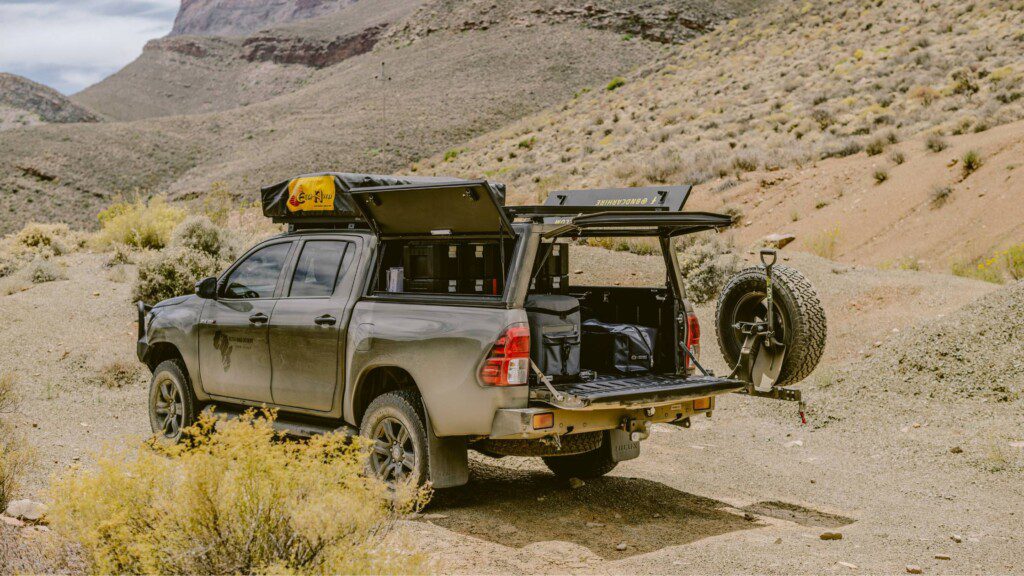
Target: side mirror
<point>207,288</point>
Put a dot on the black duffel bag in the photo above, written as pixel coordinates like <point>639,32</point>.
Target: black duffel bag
<point>626,348</point>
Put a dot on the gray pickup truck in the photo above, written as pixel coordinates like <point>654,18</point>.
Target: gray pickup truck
<point>425,314</point>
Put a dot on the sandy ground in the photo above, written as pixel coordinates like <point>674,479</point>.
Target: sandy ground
<point>749,490</point>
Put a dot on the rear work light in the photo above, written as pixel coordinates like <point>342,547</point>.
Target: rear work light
<point>692,342</point>
<point>508,363</point>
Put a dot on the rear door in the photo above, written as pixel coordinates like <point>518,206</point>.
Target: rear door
<point>308,325</point>
<point>234,351</point>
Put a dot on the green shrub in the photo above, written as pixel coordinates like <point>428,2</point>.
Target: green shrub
<point>1013,261</point>
<point>897,157</point>
<point>141,224</point>
<point>452,154</point>
<point>200,233</point>
<point>876,147</point>
<point>881,175</point>
<point>982,270</point>
<point>970,162</point>
<point>617,82</point>
<point>236,500</point>
<point>527,143</point>
<point>706,266</point>
<point>172,272</point>
<point>49,239</point>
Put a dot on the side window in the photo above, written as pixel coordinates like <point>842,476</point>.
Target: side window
<point>257,275</point>
<point>318,269</point>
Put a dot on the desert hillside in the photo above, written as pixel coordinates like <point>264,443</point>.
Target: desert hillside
<point>808,118</point>
<point>235,17</point>
<point>25,103</point>
<point>440,90</point>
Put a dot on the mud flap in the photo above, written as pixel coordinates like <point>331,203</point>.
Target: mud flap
<point>621,446</point>
<point>447,459</point>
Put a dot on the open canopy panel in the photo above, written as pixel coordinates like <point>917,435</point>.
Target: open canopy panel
<point>325,197</point>
<point>639,223</point>
<point>453,208</point>
<point>671,198</point>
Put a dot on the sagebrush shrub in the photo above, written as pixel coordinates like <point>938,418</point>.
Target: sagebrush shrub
<point>235,500</point>
<point>172,272</point>
<point>200,233</point>
<point>50,238</point>
<point>42,270</point>
<point>935,143</point>
<point>970,162</point>
<point>140,223</point>
<point>706,266</point>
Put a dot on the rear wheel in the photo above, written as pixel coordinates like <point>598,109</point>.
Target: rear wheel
<point>394,422</point>
<point>799,318</point>
<point>172,405</point>
<point>592,464</point>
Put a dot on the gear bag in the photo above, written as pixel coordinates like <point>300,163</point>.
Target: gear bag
<point>626,348</point>
<point>555,334</point>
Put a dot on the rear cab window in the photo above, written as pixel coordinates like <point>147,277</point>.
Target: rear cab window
<point>321,264</point>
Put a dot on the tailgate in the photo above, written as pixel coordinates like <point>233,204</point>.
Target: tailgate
<point>630,391</point>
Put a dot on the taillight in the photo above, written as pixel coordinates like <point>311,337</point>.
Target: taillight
<point>508,363</point>
<point>692,340</point>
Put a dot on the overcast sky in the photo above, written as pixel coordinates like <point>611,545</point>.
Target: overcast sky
<point>70,44</point>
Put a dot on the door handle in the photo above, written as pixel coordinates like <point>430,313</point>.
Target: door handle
<point>258,318</point>
<point>325,320</point>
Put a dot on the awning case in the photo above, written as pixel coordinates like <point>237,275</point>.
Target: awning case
<point>453,208</point>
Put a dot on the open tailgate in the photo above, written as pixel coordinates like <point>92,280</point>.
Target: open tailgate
<point>632,391</point>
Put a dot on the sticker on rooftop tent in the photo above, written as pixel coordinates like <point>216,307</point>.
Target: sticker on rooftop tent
<point>312,193</point>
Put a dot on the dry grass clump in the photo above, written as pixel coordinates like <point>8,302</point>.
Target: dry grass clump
<point>881,175</point>
<point>118,374</point>
<point>15,455</point>
<point>198,248</point>
<point>935,143</point>
<point>825,244</point>
<point>26,256</point>
<point>236,500</point>
<point>706,263</point>
<point>142,224</point>
<point>940,194</point>
<point>37,271</point>
<point>970,162</point>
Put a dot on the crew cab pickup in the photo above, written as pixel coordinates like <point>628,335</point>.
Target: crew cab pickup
<point>354,321</point>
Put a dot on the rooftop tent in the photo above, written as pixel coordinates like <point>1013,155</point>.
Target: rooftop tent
<point>326,197</point>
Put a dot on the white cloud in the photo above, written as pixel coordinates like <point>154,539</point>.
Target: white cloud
<point>69,44</point>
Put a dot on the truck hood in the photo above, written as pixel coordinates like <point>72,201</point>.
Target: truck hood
<point>174,301</point>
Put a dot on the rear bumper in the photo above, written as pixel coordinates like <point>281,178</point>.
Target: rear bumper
<point>633,391</point>
<point>518,423</point>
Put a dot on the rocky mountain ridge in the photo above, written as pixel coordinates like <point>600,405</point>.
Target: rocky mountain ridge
<point>24,103</point>
<point>241,17</point>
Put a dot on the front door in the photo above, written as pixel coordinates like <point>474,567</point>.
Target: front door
<point>234,350</point>
<point>307,327</point>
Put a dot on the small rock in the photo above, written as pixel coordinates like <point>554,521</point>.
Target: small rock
<point>11,521</point>
<point>778,540</point>
<point>1016,444</point>
<point>848,565</point>
<point>595,525</point>
<point>956,450</point>
<point>942,556</point>
<point>657,515</point>
<point>434,516</point>
<point>912,569</point>
<point>916,425</point>
<point>26,510</point>
<point>581,272</point>
<point>620,546</point>
<point>794,443</point>
<point>777,241</point>
<point>575,483</point>
<point>831,536</point>
<point>956,538</point>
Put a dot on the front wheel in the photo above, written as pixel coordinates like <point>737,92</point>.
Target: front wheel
<point>172,405</point>
<point>394,422</point>
<point>592,464</point>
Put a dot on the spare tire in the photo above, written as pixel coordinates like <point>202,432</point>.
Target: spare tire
<point>799,318</point>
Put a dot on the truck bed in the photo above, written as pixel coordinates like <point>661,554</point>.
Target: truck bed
<point>612,391</point>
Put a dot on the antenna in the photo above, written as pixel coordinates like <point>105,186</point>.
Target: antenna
<point>384,79</point>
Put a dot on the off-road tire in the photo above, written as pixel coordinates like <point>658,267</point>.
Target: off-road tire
<point>167,423</point>
<point>571,444</point>
<point>405,407</point>
<point>592,464</point>
<point>803,315</point>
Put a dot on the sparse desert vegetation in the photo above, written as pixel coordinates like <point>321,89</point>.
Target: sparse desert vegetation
<point>235,500</point>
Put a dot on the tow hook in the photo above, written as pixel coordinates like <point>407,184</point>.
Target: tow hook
<point>554,441</point>
<point>638,429</point>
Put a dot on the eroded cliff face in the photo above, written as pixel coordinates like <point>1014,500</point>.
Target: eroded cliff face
<point>241,17</point>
